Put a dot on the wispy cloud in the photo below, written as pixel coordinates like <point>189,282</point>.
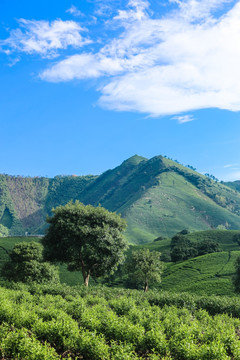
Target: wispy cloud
<point>183,118</point>
<point>185,60</point>
<point>136,11</point>
<point>230,165</point>
<point>43,37</point>
<point>74,11</point>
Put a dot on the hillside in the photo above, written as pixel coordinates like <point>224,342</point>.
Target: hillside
<point>25,201</point>
<point>156,196</point>
<point>209,274</point>
<point>160,197</point>
<point>234,184</point>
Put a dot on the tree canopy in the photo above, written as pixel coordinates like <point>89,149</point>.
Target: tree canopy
<point>146,266</point>
<point>182,248</point>
<point>3,230</point>
<point>87,238</point>
<point>26,265</point>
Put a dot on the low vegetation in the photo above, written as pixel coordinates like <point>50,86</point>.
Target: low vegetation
<point>57,322</point>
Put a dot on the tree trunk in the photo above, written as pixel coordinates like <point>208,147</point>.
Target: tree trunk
<point>86,279</point>
<point>146,286</point>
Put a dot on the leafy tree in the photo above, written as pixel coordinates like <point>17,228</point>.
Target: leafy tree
<point>26,265</point>
<point>89,239</point>
<point>146,266</point>
<point>184,232</point>
<point>182,248</point>
<point>236,238</point>
<point>207,247</point>
<point>3,231</point>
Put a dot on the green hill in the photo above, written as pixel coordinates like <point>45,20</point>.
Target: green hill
<point>209,274</point>
<point>157,197</point>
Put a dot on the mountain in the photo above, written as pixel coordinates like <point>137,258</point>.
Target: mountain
<point>234,184</point>
<point>157,196</point>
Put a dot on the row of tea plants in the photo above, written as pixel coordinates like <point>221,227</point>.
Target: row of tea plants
<point>59,322</point>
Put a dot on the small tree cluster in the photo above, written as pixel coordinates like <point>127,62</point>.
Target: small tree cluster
<point>26,265</point>
<point>183,249</point>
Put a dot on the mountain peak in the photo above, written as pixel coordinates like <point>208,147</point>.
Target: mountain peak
<point>134,160</point>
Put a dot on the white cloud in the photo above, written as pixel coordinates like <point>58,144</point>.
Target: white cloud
<point>43,37</point>
<point>137,11</point>
<point>185,60</point>
<point>193,10</point>
<point>183,118</point>
<point>74,11</point>
<point>81,67</point>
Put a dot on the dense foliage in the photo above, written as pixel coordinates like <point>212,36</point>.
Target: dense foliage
<point>145,266</point>
<point>3,230</point>
<point>89,239</point>
<point>183,249</point>
<point>49,322</point>
<point>236,278</point>
<point>26,264</point>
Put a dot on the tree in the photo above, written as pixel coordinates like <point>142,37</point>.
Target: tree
<point>146,266</point>
<point>236,278</point>
<point>207,247</point>
<point>88,239</point>
<point>236,238</point>
<point>3,231</point>
<point>26,265</point>
<point>182,248</point>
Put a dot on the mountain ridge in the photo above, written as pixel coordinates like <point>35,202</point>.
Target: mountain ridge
<point>157,196</point>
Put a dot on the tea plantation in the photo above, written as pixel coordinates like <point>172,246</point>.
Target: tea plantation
<point>187,321</point>
<point>60,322</point>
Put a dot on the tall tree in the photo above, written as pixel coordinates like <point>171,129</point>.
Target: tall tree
<point>146,266</point>
<point>88,239</point>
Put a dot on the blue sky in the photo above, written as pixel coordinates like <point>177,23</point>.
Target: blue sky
<point>86,84</point>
